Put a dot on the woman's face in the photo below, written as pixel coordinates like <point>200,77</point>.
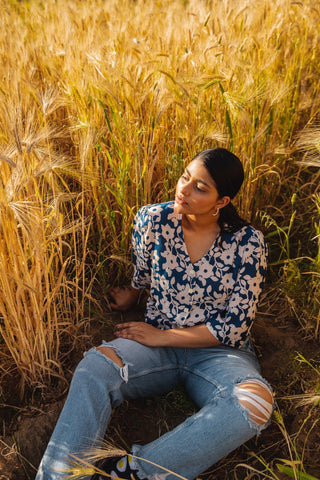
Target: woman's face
<point>196,192</point>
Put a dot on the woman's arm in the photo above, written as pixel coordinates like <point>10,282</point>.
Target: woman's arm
<point>232,326</point>
<point>191,337</point>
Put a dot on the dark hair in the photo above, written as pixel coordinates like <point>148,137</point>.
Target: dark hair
<point>227,172</point>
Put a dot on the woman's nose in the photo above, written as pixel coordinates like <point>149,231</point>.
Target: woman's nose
<point>185,188</point>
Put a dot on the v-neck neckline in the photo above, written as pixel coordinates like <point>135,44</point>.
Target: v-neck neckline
<point>181,234</point>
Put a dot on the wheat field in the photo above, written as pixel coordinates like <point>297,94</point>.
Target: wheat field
<point>101,105</point>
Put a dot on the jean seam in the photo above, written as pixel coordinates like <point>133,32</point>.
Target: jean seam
<point>102,417</point>
<point>196,373</point>
<point>154,370</point>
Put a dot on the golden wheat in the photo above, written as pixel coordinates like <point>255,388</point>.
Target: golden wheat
<point>101,105</point>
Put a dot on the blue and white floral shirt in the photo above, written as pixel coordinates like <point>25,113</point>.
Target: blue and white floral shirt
<point>221,290</point>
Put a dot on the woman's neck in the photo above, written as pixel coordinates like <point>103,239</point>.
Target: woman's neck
<point>199,223</point>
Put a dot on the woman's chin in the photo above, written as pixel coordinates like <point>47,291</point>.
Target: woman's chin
<point>180,205</point>
<point>178,208</point>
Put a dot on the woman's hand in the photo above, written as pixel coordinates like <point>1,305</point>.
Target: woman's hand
<point>191,337</point>
<point>124,298</point>
<point>141,332</point>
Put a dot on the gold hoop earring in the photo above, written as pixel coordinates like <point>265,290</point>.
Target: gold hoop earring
<point>215,214</point>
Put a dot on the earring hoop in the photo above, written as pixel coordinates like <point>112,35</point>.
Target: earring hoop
<point>215,214</point>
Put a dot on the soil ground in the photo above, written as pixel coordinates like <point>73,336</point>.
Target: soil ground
<point>26,428</point>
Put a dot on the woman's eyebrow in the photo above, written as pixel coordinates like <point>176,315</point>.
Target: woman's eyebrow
<point>198,180</point>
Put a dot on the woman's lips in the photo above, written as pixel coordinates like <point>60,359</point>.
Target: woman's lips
<point>180,200</point>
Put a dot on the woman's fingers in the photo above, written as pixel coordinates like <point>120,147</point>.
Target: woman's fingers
<point>126,328</point>
<point>141,332</point>
<point>121,326</point>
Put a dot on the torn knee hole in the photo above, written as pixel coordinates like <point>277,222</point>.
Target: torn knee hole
<point>254,396</point>
<point>110,353</point>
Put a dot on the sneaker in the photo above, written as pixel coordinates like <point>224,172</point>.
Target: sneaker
<point>118,468</point>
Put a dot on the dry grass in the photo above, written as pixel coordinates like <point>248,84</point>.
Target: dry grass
<point>101,105</point>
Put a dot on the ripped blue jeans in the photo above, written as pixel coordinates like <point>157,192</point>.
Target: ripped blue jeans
<point>210,375</point>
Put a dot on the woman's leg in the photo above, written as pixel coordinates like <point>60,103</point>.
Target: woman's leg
<point>99,384</point>
<point>236,404</point>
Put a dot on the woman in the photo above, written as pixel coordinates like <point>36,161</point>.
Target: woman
<point>205,268</point>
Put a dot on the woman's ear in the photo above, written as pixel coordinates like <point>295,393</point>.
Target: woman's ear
<point>223,202</point>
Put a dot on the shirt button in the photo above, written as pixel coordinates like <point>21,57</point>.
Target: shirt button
<point>192,272</point>
<point>186,310</point>
<point>190,290</point>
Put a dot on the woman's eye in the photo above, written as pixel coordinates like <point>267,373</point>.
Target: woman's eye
<point>185,178</point>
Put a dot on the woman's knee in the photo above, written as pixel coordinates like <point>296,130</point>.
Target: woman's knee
<point>255,397</point>
<point>96,363</point>
<point>111,354</point>
<point>97,371</point>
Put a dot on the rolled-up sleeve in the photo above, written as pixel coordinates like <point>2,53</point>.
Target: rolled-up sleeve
<point>142,244</point>
<point>231,327</point>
